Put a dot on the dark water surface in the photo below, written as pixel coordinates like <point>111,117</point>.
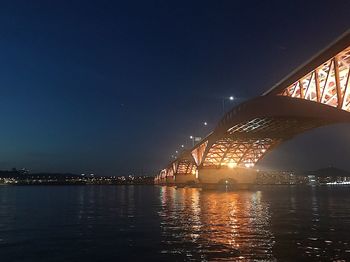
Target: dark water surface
<point>146,223</point>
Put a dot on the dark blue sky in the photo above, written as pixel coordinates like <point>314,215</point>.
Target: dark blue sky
<point>116,87</point>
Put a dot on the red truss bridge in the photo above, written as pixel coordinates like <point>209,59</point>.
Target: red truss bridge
<point>314,95</point>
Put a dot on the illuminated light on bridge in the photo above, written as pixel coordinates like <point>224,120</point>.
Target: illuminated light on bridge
<point>326,84</point>
<point>314,95</point>
<point>198,152</point>
<point>232,164</point>
<point>236,152</point>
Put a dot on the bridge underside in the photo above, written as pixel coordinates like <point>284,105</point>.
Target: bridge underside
<point>244,138</point>
<point>246,143</point>
<point>252,130</point>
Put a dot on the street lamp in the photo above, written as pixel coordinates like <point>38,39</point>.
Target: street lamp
<point>231,98</point>
<point>198,138</point>
<point>195,139</point>
<point>192,138</point>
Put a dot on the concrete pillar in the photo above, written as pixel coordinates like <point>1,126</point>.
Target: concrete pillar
<point>225,175</point>
<point>170,180</point>
<point>185,179</point>
<point>162,181</point>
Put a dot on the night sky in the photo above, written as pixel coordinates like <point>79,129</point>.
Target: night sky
<point>114,88</point>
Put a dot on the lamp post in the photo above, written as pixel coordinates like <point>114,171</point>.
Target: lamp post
<point>198,138</point>
<point>195,139</point>
<point>231,98</point>
<point>192,138</point>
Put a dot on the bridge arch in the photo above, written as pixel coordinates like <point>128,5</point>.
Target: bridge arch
<point>248,132</point>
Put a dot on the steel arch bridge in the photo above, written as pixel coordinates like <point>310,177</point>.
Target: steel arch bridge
<point>314,95</point>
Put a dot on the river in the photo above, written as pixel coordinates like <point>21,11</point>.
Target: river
<point>153,223</point>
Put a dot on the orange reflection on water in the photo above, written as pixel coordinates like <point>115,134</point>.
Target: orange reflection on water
<point>214,225</point>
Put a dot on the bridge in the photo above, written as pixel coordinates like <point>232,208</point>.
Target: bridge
<point>314,95</point>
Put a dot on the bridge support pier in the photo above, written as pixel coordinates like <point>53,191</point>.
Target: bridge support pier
<point>170,181</point>
<point>183,180</point>
<point>237,177</point>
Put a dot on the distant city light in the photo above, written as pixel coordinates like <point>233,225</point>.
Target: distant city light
<point>231,98</point>
<point>205,123</point>
<point>182,146</point>
<point>339,183</point>
<point>191,137</point>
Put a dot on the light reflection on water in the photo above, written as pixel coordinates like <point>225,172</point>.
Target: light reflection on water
<point>271,223</point>
<point>215,225</point>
